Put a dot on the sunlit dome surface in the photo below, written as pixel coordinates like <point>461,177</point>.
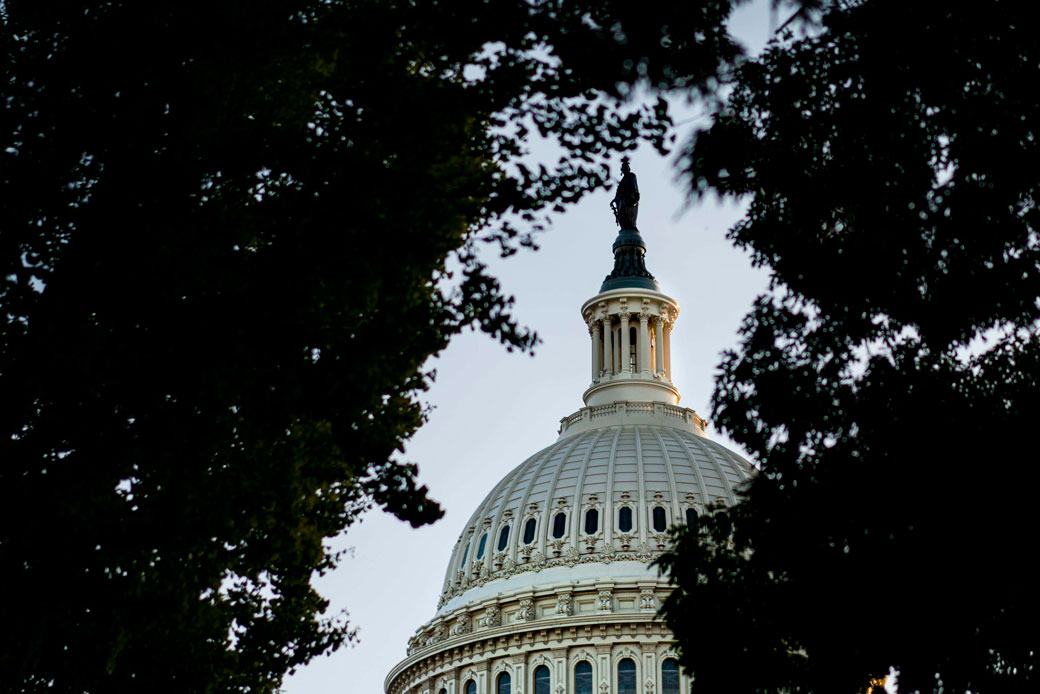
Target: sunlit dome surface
<point>602,496</point>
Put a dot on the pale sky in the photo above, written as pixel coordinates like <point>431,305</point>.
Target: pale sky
<point>495,409</point>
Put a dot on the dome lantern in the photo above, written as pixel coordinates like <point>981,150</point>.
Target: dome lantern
<point>630,321</point>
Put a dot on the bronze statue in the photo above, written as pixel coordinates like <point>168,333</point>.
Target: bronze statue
<point>625,204</point>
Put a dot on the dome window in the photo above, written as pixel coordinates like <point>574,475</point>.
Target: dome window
<point>660,522</point>
<point>503,538</point>
<point>591,521</point>
<point>583,678</point>
<point>626,676</point>
<point>529,528</point>
<point>471,687</point>
<point>465,553</point>
<point>480,547</point>
<point>559,525</point>
<point>691,517</point>
<point>670,674</point>
<point>503,683</point>
<point>541,680</point>
<point>624,519</point>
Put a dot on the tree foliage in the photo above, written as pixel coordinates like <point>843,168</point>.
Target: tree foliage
<point>225,234</point>
<point>887,382</point>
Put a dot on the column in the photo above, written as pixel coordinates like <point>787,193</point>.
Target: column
<point>643,349</point>
<point>626,367</point>
<point>608,355</point>
<point>559,656</point>
<point>597,350</point>
<point>668,348</point>
<point>519,674</point>
<point>659,337</point>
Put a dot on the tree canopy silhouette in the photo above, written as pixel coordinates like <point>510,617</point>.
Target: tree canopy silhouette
<point>226,228</point>
<point>887,382</point>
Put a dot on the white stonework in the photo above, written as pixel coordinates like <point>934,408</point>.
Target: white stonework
<point>570,584</point>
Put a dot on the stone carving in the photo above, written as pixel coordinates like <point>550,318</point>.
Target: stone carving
<point>648,687</point>
<point>604,687</point>
<point>492,618</point>
<point>591,540</point>
<point>647,601</point>
<point>605,601</point>
<point>415,641</point>
<point>461,626</point>
<point>660,539</point>
<point>526,611</point>
<point>440,632</point>
<point>563,605</point>
<point>645,553</point>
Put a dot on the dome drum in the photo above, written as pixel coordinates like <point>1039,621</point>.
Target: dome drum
<point>600,624</point>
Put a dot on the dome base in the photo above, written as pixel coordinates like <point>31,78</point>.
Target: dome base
<point>622,413</point>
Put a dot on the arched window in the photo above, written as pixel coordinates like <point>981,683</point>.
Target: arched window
<point>503,538</point>
<point>670,676</point>
<point>583,678</point>
<point>541,680</point>
<point>471,687</point>
<point>591,521</point>
<point>529,527</point>
<point>559,524</point>
<point>480,547</point>
<point>660,523</point>
<point>626,676</point>
<point>691,517</point>
<point>503,684</point>
<point>624,519</point>
<point>465,553</point>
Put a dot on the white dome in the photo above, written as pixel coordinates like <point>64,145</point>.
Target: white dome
<point>635,456</point>
<point>551,574</point>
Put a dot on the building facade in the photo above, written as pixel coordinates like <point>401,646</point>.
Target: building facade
<point>549,589</point>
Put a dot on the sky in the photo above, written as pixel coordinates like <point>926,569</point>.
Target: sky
<point>493,409</point>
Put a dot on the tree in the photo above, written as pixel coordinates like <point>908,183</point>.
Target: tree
<point>226,234</point>
<point>887,382</point>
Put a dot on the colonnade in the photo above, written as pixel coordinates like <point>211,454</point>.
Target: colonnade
<point>614,353</point>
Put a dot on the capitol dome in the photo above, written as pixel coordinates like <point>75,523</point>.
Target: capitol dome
<point>549,588</point>
<point>604,495</point>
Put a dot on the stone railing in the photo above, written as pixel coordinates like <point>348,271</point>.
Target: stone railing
<point>634,413</point>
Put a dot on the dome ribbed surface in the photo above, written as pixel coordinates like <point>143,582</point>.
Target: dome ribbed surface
<point>639,467</point>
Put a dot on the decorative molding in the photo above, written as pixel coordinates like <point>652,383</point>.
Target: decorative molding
<point>578,655</point>
<point>561,556</point>
<point>605,601</point>
<point>526,611</point>
<point>461,626</point>
<point>647,600</point>
<point>564,606</point>
<point>492,617</point>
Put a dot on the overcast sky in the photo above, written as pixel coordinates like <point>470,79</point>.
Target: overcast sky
<point>494,409</point>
